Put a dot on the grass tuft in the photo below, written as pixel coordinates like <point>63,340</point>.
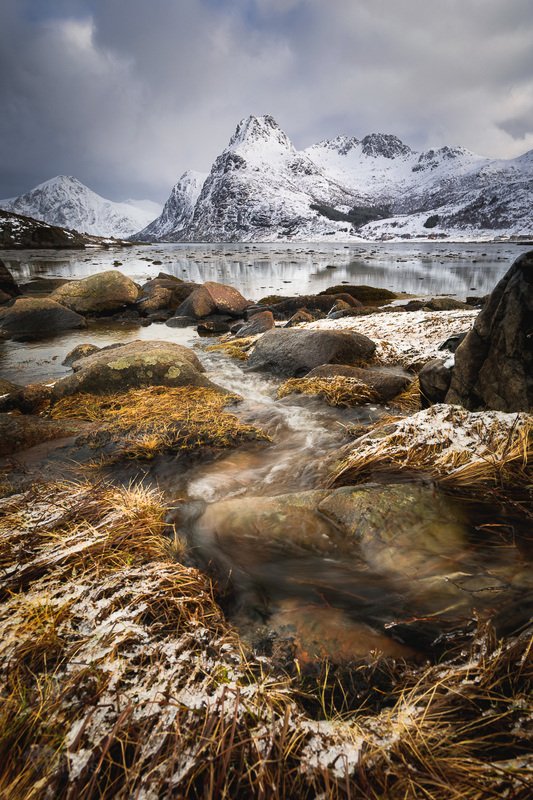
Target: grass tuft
<point>236,348</point>
<point>145,422</point>
<point>336,391</point>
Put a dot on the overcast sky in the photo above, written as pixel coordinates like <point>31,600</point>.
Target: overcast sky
<point>127,94</point>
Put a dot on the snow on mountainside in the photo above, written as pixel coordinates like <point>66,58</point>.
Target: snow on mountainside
<point>66,202</point>
<point>262,189</point>
<point>177,212</point>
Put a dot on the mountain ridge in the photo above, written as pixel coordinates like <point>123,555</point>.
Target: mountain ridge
<point>65,202</point>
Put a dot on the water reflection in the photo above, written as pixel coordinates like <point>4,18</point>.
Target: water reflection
<point>257,270</point>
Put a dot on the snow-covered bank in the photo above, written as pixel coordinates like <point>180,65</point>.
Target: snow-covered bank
<point>403,337</point>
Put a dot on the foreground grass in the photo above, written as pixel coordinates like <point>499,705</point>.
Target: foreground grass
<point>145,422</point>
<point>119,678</point>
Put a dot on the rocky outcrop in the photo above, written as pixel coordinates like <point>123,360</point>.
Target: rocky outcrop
<point>494,364</point>
<point>37,318</point>
<point>104,292</point>
<point>19,232</point>
<point>293,353</point>
<point>134,366</point>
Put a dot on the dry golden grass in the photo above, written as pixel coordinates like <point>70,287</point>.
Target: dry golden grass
<point>336,391</point>
<point>145,422</point>
<point>120,678</point>
<point>236,348</point>
<point>458,448</point>
<point>408,401</point>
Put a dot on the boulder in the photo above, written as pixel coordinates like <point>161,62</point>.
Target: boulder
<point>159,298</point>
<point>8,285</point>
<point>198,304</point>
<point>133,366</point>
<point>257,323</point>
<point>227,300</point>
<point>181,322</point>
<point>153,292</point>
<point>103,292</point>
<point>386,383</point>
<point>453,341</point>
<point>434,379</point>
<point>214,324</point>
<point>445,304</point>
<point>292,353</point>
<point>19,432</point>
<point>339,305</point>
<point>494,364</point>
<point>79,352</point>
<point>311,302</point>
<point>365,294</point>
<point>37,318</point>
<point>302,315</point>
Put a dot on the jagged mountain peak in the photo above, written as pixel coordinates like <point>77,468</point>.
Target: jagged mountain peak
<point>340,144</point>
<point>385,145</point>
<point>258,131</point>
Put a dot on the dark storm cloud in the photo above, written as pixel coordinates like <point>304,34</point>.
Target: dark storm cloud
<point>127,94</point>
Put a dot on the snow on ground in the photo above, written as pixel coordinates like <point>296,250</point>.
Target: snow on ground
<point>404,337</point>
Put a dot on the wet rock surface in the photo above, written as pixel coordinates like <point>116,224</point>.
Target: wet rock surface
<point>20,432</point>
<point>293,353</point>
<point>494,364</point>
<point>36,318</point>
<point>132,366</point>
<point>386,383</point>
<point>103,292</point>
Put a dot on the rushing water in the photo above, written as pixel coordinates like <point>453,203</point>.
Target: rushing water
<point>308,592</point>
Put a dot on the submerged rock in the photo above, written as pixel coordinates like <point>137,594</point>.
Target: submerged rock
<point>494,364</point>
<point>396,557</point>
<point>105,291</point>
<point>292,353</point>
<point>19,432</point>
<point>37,318</point>
<point>134,366</point>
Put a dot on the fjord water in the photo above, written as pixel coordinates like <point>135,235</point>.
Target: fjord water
<point>258,270</point>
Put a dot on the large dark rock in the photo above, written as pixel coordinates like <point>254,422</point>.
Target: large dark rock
<point>103,292</point>
<point>494,364</point>
<point>37,318</point>
<point>134,366</point>
<point>365,294</point>
<point>292,353</point>
<point>197,305</point>
<point>8,285</point>
<point>386,383</point>
<point>434,379</point>
<point>311,302</point>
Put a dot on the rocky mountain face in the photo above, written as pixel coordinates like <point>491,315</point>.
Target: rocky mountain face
<point>65,202</point>
<point>261,189</point>
<point>171,225</point>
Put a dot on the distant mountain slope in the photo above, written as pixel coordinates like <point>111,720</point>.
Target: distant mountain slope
<point>261,189</point>
<point>177,212</point>
<point>66,202</point>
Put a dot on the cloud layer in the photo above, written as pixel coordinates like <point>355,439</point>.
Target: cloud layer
<point>126,95</point>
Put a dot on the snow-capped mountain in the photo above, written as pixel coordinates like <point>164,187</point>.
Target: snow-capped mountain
<point>66,202</point>
<point>261,188</point>
<point>177,212</point>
